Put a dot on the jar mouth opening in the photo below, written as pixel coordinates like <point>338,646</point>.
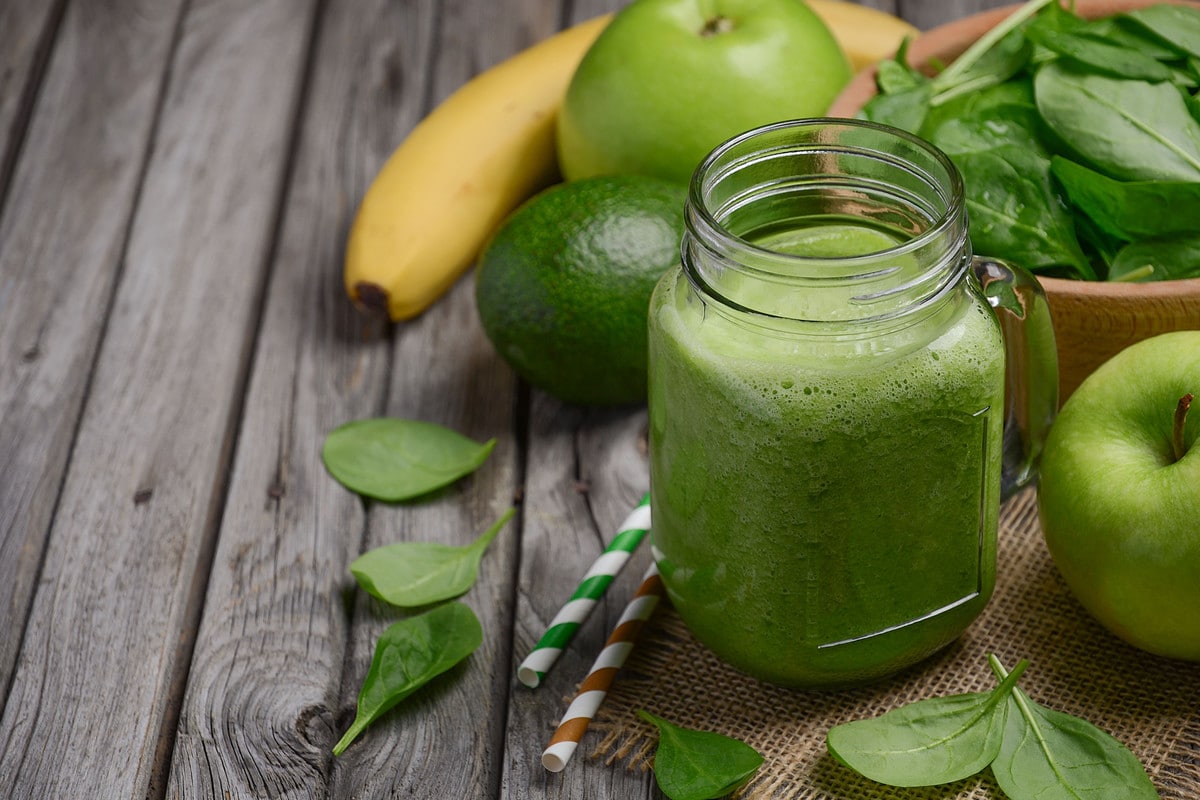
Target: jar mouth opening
<point>711,170</point>
<point>825,220</point>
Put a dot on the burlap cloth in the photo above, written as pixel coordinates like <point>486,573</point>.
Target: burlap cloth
<point>1151,704</point>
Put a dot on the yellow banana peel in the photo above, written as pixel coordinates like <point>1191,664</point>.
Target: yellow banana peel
<point>463,168</point>
<point>489,147</point>
<point>867,35</point>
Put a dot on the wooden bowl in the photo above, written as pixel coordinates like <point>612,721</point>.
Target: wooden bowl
<point>1093,320</point>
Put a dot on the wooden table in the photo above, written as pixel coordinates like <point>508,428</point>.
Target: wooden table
<point>176,614</point>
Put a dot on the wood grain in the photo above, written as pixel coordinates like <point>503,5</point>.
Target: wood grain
<point>1093,321</point>
<point>27,32</point>
<point>61,242</point>
<point>261,711</point>
<point>586,472</point>
<point>445,740</point>
<point>112,619</point>
<point>929,13</point>
<point>442,741</point>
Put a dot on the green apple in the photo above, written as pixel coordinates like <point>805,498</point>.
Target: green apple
<point>669,80</point>
<point>1119,495</point>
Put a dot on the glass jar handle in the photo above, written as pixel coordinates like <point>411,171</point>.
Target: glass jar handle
<point>1031,398</point>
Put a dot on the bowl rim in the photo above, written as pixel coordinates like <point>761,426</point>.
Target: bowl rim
<point>946,42</point>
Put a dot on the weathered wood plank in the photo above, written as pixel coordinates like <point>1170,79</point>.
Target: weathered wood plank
<point>586,471</point>
<point>442,741</point>
<point>27,29</point>
<point>262,707</point>
<point>61,239</point>
<point>110,627</point>
<point>445,741</point>
<point>926,14</point>
<point>883,5</point>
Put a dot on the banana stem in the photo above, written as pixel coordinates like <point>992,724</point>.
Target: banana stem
<point>1181,412</point>
<point>371,297</point>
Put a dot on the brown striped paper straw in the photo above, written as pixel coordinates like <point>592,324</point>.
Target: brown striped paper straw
<point>600,678</point>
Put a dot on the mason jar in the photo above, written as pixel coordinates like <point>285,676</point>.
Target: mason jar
<point>827,404</point>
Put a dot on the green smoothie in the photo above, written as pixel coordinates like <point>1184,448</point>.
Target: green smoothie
<point>824,507</point>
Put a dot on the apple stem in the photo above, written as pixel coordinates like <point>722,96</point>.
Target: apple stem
<point>717,25</point>
<point>1181,412</point>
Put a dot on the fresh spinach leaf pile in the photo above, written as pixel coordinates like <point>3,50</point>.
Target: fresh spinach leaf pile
<point>401,460</point>
<point>1035,753</point>
<point>1078,140</point>
<point>415,650</point>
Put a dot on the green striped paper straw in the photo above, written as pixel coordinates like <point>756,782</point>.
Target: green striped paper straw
<point>591,589</point>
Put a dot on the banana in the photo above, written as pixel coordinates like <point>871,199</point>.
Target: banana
<point>867,35</point>
<point>489,147</point>
<point>463,168</point>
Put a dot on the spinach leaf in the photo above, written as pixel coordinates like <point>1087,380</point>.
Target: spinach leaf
<point>929,742</point>
<point>699,765</point>
<point>1128,129</point>
<point>993,137</point>
<point>995,104</point>
<point>1185,77</point>
<point>409,654</point>
<point>905,109</point>
<point>1049,755</point>
<point>993,67</point>
<point>965,66</point>
<point>977,128</point>
<point>1130,209</point>
<point>1015,212</point>
<point>1040,754</point>
<point>1193,101</point>
<point>398,459</point>
<point>1125,34</point>
<point>1105,58</point>
<point>893,76</point>
<point>1056,18</point>
<point>1161,259</point>
<point>1101,245</point>
<point>1177,25</point>
<point>409,574</point>
<point>903,97</point>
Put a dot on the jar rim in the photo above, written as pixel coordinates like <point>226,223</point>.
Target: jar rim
<point>865,167</point>
<point>945,220</point>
